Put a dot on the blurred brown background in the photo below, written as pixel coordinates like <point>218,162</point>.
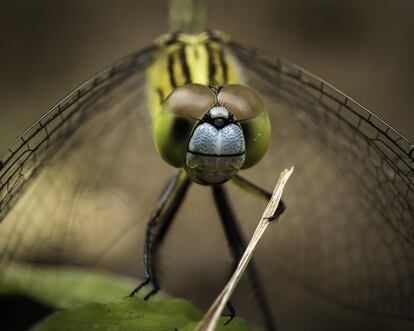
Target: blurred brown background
<point>365,48</point>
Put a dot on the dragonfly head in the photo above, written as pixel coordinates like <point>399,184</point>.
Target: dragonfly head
<point>212,132</point>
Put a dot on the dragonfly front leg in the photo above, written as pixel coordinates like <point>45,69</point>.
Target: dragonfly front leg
<point>162,216</point>
<point>256,190</point>
<point>237,245</point>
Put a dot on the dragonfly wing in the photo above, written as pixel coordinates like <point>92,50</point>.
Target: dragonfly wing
<point>77,173</point>
<point>348,231</point>
<point>78,187</point>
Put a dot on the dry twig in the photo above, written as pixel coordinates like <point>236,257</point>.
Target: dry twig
<point>210,320</point>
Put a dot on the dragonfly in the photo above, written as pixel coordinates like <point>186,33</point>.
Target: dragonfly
<point>94,182</point>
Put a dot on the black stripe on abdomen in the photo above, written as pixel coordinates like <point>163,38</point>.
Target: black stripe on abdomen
<point>224,66</point>
<point>184,65</point>
<point>211,65</point>
<point>173,82</point>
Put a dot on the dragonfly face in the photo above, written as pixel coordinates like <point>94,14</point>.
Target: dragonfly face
<point>205,119</point>
<point>212,132</point>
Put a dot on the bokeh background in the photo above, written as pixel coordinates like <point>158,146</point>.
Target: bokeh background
<point>365,48</point>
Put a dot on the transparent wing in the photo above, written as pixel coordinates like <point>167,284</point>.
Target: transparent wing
<point>348,232</point>
<point>78,187</point>
<point>29,151</point>
<point>69,178</point>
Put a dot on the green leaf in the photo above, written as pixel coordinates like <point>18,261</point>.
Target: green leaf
<point>133,314</point>
<point>64,287</point>
<point>89,297</point>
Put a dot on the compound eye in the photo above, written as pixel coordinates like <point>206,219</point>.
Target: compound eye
<point>250,112</point>
<point>191,101</point>
<point>242,101</point>
<point>175,121</point>
<point>257,133</point>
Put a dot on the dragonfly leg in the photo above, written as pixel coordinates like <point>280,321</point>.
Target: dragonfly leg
<point>165,222</point>
<point>231,314</point>
<point>237,245</point>
<point>170,212</point>
<point>254,189</point>
<point>168,204</point>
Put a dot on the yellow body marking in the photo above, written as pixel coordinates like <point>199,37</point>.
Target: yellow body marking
<point>181,59</point>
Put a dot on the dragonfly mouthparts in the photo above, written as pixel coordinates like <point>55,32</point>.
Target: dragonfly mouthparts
<point>212,169</point>
<point>214,154</point>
